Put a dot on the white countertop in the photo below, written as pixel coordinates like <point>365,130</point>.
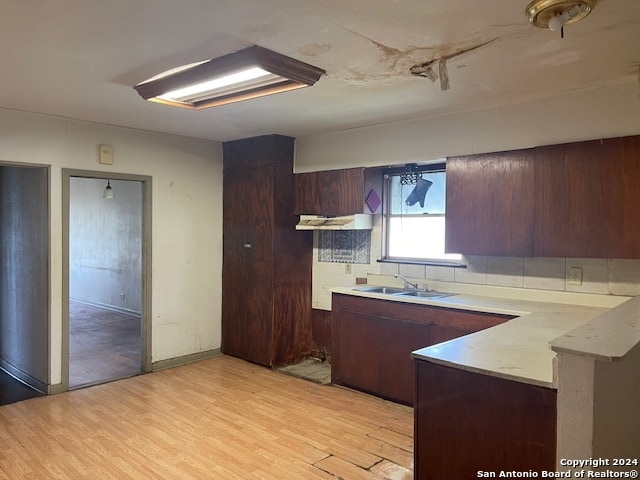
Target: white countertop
<point>519,349</point>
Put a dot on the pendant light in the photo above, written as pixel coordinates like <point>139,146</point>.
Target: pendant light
<point>108,191</point>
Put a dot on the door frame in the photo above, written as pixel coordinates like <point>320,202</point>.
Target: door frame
<point>145,314</point>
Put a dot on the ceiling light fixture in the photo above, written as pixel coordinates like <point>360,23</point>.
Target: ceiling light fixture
<point>249,73</point>
<point>555,14</point>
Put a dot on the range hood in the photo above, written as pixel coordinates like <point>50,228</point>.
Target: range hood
<point>358,221</point>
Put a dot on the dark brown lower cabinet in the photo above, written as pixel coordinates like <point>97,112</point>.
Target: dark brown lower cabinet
<point>372,341</point>
<point>466,423</point>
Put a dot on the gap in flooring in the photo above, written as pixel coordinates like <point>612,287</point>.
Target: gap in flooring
<point>318,371</point>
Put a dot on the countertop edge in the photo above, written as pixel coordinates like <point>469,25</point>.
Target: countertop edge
<point>610,336</point>
<point>526,344</point>
<point>492,373</point>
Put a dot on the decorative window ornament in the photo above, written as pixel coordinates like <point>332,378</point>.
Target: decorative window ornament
<point>411,174</point>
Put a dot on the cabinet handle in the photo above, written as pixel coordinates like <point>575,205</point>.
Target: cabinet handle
<point>247,245</point>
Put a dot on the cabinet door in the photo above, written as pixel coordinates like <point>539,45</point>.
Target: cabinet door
<point>587,199</point>
<point>332,192</point>
<point>490,204</point>
<point>247,286</point>
<point>396,377</point>
<point>358,360</point>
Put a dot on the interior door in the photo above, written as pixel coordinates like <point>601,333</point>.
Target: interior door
<point>247,272</point>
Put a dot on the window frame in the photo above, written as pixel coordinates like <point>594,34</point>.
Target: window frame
<point>439,166</point>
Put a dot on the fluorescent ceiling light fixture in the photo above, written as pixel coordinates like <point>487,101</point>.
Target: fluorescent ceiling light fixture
<point>249,73</point>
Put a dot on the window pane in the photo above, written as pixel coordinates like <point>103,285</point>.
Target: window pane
<point>433,199</point>
<point>417,237</point>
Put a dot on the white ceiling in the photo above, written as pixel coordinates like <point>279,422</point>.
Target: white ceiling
<point>80,59</point>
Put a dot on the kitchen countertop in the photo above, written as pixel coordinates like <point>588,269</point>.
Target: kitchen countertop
<point>519,349</point>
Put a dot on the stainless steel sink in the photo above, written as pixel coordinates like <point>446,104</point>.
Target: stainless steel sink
<point>425,294</point>
<point>386,290</point>
<point>403,292</point>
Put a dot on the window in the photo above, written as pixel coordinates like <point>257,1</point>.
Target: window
<point>414,219</point>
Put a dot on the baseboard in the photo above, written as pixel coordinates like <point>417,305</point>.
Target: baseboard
<point>177,361</point>
<point>55,389</point>
<point>24,377</point>
<point>114,308</point>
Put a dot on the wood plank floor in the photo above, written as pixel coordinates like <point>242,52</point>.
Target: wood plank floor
<point>103,344</point>
<point>218,418</point>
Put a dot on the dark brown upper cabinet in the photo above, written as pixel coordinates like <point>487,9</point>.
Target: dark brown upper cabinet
<point>588,197</point>
<point>335,192</point>
<point>570,200</point>
<point>490,204</point>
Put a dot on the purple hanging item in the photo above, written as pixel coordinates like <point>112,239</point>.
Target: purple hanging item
<point>373,201</point>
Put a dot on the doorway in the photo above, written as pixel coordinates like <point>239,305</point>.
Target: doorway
<point>24,280</point>
<point>106,299</point>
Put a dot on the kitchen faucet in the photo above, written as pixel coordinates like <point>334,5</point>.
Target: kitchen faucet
<point>407,283</point>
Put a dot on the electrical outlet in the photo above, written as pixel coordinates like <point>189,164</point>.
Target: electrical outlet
<point>122,296</point>
<point>575,276</point>
<point>347,268</point>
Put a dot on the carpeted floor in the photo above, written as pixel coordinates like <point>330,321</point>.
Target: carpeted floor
<point>104,345</point>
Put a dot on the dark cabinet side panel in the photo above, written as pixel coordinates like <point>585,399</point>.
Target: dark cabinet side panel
<point>490,204</point>
<point>466,422</point>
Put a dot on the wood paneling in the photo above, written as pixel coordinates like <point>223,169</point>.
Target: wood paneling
<point>573,200</point>
<point>373,340</point>
<point>466,422</point>
<point>331,192</point>
<point>587,199</point>
<point>248,264</point>
<point>321,330</point>
<point>266,271</point>
<point>221,418</point>
<point>490,204</point>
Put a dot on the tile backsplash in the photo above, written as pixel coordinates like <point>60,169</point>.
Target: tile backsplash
<point>599,276</point>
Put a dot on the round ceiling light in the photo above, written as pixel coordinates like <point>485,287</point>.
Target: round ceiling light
<point>551,13</point>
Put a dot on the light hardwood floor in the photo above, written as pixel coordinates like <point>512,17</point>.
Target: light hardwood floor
<point>219,418</point>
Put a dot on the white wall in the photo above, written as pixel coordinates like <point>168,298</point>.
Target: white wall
<point>598,414</point>
<point>187,219</point>
<point>105,243</point>
<point>611,111</point>
<point>605,112</point>
<point>604,276</point>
